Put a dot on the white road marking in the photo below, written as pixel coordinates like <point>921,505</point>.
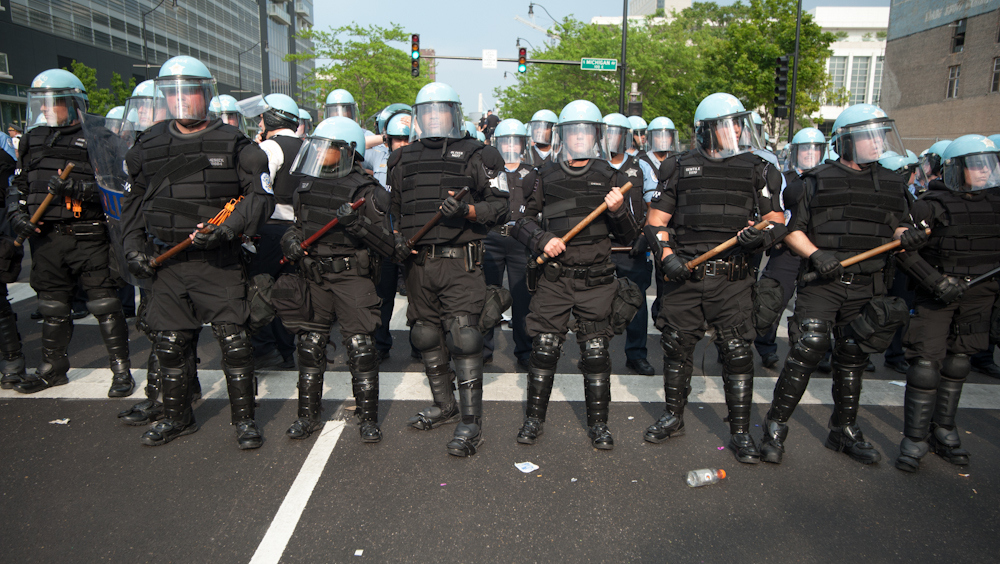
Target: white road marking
<point>92,384</point>
<point>272,546</point>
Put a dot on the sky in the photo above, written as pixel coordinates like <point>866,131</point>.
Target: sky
<point>464,28</point>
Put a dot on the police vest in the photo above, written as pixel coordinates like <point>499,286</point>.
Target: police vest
<point>539,161</point>
<point>715,199</point>
<point>428,174</point>
<point>284,183</point>
<point>190,178</point>
<point>317,200</point>
<point>793,189</point>
<point>654,164</point>
<point>515,184</point>
<point>569,198</point>
<point>854,211</point>
<point>966,241</point>
<point>50,149</point>
<point>631,171</point>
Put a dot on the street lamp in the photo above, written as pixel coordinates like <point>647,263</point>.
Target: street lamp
<point>531,11</point>
<point>520,39</point>
<point>239,61</point>
<point>145,43</point>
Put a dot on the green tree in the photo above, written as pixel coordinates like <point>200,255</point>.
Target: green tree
<point>361,61</point>
<point>100,100</point>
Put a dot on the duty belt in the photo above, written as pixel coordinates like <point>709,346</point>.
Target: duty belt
<point>852,278</point>
<point>78,228</point>
<point>332,265</point>
<point>505,229</point>
<point>735,268</point>
<point>442,251</point>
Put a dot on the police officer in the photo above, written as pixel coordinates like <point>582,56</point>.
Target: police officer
<point>181,172</point>
<point>12,360</point>
<point>805,152</point>
<point>114,118</point>
<point>340,102</point>
<point>633,266</point>
<point>444,280</point>
<point>278,118</point>
<point>502,251</point>
<point>305,124</point>
<point>338,269</point>
<point>952,319</point>
<point>540,130</point>
<point>579,279</point>
<point>661,141</point>
<point>226,108</point>
<point>847,207</point>
<point>706,196</point>
<point>140,111</point>
<point>71,245</point>
<point>638,134</point>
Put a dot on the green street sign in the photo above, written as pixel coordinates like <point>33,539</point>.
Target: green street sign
<point>587,63</point>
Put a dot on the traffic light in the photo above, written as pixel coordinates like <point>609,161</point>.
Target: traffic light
<point>781,81</point>
<point>522,60</point>
<point>415,54</point>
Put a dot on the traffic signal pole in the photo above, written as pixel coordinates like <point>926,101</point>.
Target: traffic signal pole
<point>795,73</point>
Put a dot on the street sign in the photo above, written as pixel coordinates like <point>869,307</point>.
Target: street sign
<point>489,58</point>
<point>587,63</point>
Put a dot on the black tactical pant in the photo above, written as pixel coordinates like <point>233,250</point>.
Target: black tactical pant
<point>961,327</point>
<point>443,288</point>
<point>351,297</point>
<point>782,266</point>
<point>59,261</point>
<point>553,303</point>
<point>272,336</point>
<point>195,289</point>
<point>503,252</point>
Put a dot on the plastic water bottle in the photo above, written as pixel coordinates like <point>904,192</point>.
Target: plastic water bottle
<point>704,477</point>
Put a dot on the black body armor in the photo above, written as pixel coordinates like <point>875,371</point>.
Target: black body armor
<point>570,198</point>
<point>49,149</point>
<point>966,241</point>
<point>316,203</point>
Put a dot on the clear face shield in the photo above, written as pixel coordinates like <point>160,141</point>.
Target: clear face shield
<point>662,141</point>
<point>579,141</point>
<point>323,158</point>
<point>437,119</point>
<point>915,176</point>
<point>349,111</point>
<point>142,109</point>
<point>804,156</point>
<point>617,139</point>
<point>540,132</point>
<point>55,108</point>
<point>184,99</point>
<point>728,136</point>
<point>971,173</point>
<point>114,125</point>
<point>866,143</point>
<point>512,148</point>
<point>305,126</point>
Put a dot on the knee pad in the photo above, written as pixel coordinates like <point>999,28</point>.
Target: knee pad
<point>737,356</point>
<point>545,350</point>
<point>594,356</point>
<point>53,308</point>
<point>923,374</point>
<point>956,366</point>
<point>171,348</point>
<point>361,354</point>
<point>104,306</point>
<point>846,350</point>
<point>424,336</point>
<point>235,344</point>
<point>464,337</point>
<point>312,350</point>
<point>677,346</point>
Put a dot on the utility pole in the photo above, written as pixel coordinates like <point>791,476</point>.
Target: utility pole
<point>795,73</point>
<point>621,90</point>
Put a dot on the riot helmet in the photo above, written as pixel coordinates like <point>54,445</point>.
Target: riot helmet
<point>226,108</point>
<point>114,118</point>
<point>807,149</point>
<point>437,113</point>
<point>930,159</point>
<point>723,128</point>
<point>971,163</point>
<point>386,114</point>
<point>187,89</point>
<point>758,125</point>
<point>540,127</point>
<point>276,111</point>
<point>397,130</point>
<point>638,131</point>
<point>579,135</point>
<point>305,123</point>
<point>341,103</point>
<point>140,107</point>
<point>863,133</point>
<point>57,97</point>
<point>511,139</point>
<point>661,137</point>
<point>617,133</point>
<point>331,150</point>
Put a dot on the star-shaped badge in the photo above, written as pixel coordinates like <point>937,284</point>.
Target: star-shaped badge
<point>631,173</point>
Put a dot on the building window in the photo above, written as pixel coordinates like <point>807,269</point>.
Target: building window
<point>877,80</point>
<point>958,40</point>
<point>838,72</point>
<point>995,87</point>
<point>953,73</point>
<point>859,80</point>
<point>3,65</point>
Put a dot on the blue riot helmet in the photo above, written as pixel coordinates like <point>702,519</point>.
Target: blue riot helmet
<point>930,159</point>
<point>638,131</point>
<point>143,103</point>
<point>225,108</point>
<point>511,139</point>
<point>187,89</point>
<point>398,128</point>
<point>617,133</point>
<point>723,128</point>
<point>470,128</point>
<point>341,103</point>
<point>305,123</point>
<point>114,118</point>
<point>971,163</point>
<point>579,135</point>
<point>437,113</point>
<point>863,133</point>
<point>276,111</point>
<point>332,149</point>
<point>806,149</point>
<point>995,138</point>
<point>661,137</point>
<point>480,137</point>
<point>388,112</point>
<point>758,125</point>
<point>58,96</point>
<point>540,127</point>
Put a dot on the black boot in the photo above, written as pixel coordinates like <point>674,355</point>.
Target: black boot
<point>772,445</point>
<point>739,399</point>
<point>178,419</point>
<point>947,444</point>
<point>365,386</point>
<point>114,332</point>
<point>851,442</point>
<point>469,433</point>
<point>12,362</point>
<point>539,390</point>
<point>922,377</point>
<point>441,379</point>
<point>597,391</point>
<point>150,409</point>
<point>676,387</point>
<point>845,435</point>
<point>56,334</point>
<point>744,447</point>
<point>310,406</point>
<point>944,437</point>
<point>910,453</point>
<point>237,364</point>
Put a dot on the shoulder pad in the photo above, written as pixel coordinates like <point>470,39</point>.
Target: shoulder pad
<point>667,168</point>
<point>492,160</point>
<point>133,161</point>
<point>394,157</point>
<point>253,159</point>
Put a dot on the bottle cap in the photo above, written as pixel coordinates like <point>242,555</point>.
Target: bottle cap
<point>721,473</point>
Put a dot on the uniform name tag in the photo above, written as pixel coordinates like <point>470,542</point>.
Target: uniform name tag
<point>217,162</point>
<point>692,171</point>
<point>595,184</point>
<point>80,142</point>
<point>456,154</point>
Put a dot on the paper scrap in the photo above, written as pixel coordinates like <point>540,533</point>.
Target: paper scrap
<point>964,475</point>
<point>572,479</point>
<point>898,383</point>
<point>630,418</point>
<point>526,467</point>
<point>358,552</point>
<point>60,421</point>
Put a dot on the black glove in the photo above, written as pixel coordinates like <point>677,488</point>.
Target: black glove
<point>912,239</point>
<point>310,268</point>
<point>402,250</point>
<point>675,268</point>
<point>22,226</point>
<point>949,289</point>
<point>346,216</point>
<point>750,238</point>
<point>451,208</point>
<point>60,187</point>
<point>291,247</point>
<point>826,264</point>
<point>217,235</point>
<point>139,264</point>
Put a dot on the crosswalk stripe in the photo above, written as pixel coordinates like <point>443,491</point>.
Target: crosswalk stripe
<point>92,384</point>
